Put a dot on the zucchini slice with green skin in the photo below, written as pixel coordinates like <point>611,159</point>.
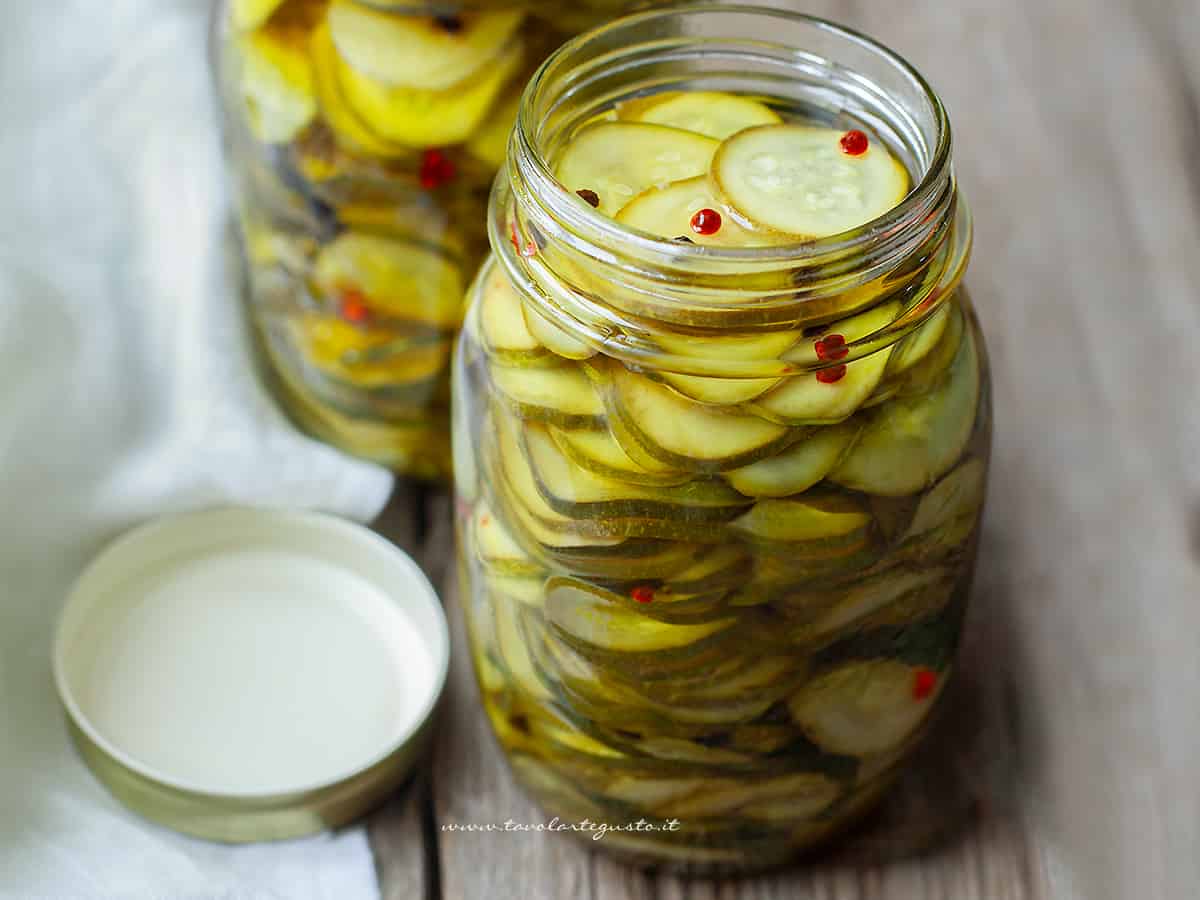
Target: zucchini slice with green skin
<point>586,547</point>
<point>725,566</point>
<point>683,433</point>
<point>806,400</point>
<point>619,160</point>
<point>711,113</point>
<point>931,370</point>
<point>514,652</point>
<point>672,609</point>
<point>576,492</point>
<point>797,179</point>
<point>598,452</point>
<point>957,496</point>
<point>865,707</point>
<point>797,468</point>
<point>804,520</point>
<point>910,442</point>
<point>948,515</point>
<point>893,597</point>
<point>719,391</point>
<point>414,51</point>
<point>808,794</point>
<point>526,589</point>
<point>502,329</point>
<point>591,616</point>
<point>667,212</point>
<point>764,345</point>
<point>562,395</point>
<point>916,346</point>
<point>554,338</point>
<point>498,550</point>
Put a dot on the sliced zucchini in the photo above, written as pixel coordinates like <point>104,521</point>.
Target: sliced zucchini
<point>275,77</point>
<point>397,279</point>
<point>680,432</point>
<point>719,391</point>
<point>796,179</point>
<point>619,160</point>
<point>502,323</point>
<point>663,608</point>
<point>911,594</point>
<point>711,113</point>
<point>513,649</point>
<point>806,520</point>
<point>864,707</point>
<point>797,468</point>
<point>246,15</point>
<point>724,567</point>
<point>909,442</point>
<point>667,212</point>
<point>348,130</point>
<point>369,358</point>
<point>916,346</point>
<point>524,589</point>
<point>554,338</point>
<point>931,371</point>
<point>417,117</point>
<point>765,345</point>
<point>561,396</point>
<point>598,451</point>
<point>800,795</point>
<point>949,511</point>
<point>589,616</point>
<point>578,493</point>
<point>497,548</point>
<point>806,400</point>
<point>416,51</point>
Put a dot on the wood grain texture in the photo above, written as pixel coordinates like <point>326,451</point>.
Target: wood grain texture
<point>1077,128</point>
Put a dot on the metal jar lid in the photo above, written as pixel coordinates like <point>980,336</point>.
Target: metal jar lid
<point>249,675</point>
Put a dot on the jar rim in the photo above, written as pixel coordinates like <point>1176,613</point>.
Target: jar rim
<point>921,199</point>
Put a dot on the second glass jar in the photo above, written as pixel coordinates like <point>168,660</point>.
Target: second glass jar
<point>717,507</point>
<point>363,137</point>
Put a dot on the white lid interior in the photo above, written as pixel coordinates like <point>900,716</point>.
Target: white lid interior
<point>251,653</point>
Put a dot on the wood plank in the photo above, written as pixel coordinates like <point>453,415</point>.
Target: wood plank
<point>399,831</point>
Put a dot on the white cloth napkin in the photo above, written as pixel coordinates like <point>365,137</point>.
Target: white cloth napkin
<point>125,391</point>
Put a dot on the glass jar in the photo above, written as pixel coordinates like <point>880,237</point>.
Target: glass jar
<point>363,137</point>
<point>717,507</point>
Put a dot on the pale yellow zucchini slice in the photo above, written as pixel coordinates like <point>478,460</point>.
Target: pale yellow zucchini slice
<point>619,160</point>
<point>797,179</point>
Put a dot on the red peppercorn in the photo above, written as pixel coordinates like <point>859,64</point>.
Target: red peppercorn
<point>436,169</point>
<point>528,249</point>
<point>831,375</point>
<point>354,308</point>
<point>642,594</point>
<point>854,143</point>
<point>831,347</point>
<point>706,221</point>
<point>590,197</point>
<point>924,681</point>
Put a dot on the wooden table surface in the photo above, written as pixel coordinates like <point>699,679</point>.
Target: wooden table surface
<point>1076,728</point>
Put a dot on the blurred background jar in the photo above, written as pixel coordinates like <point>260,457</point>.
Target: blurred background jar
<point>363,138</point>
